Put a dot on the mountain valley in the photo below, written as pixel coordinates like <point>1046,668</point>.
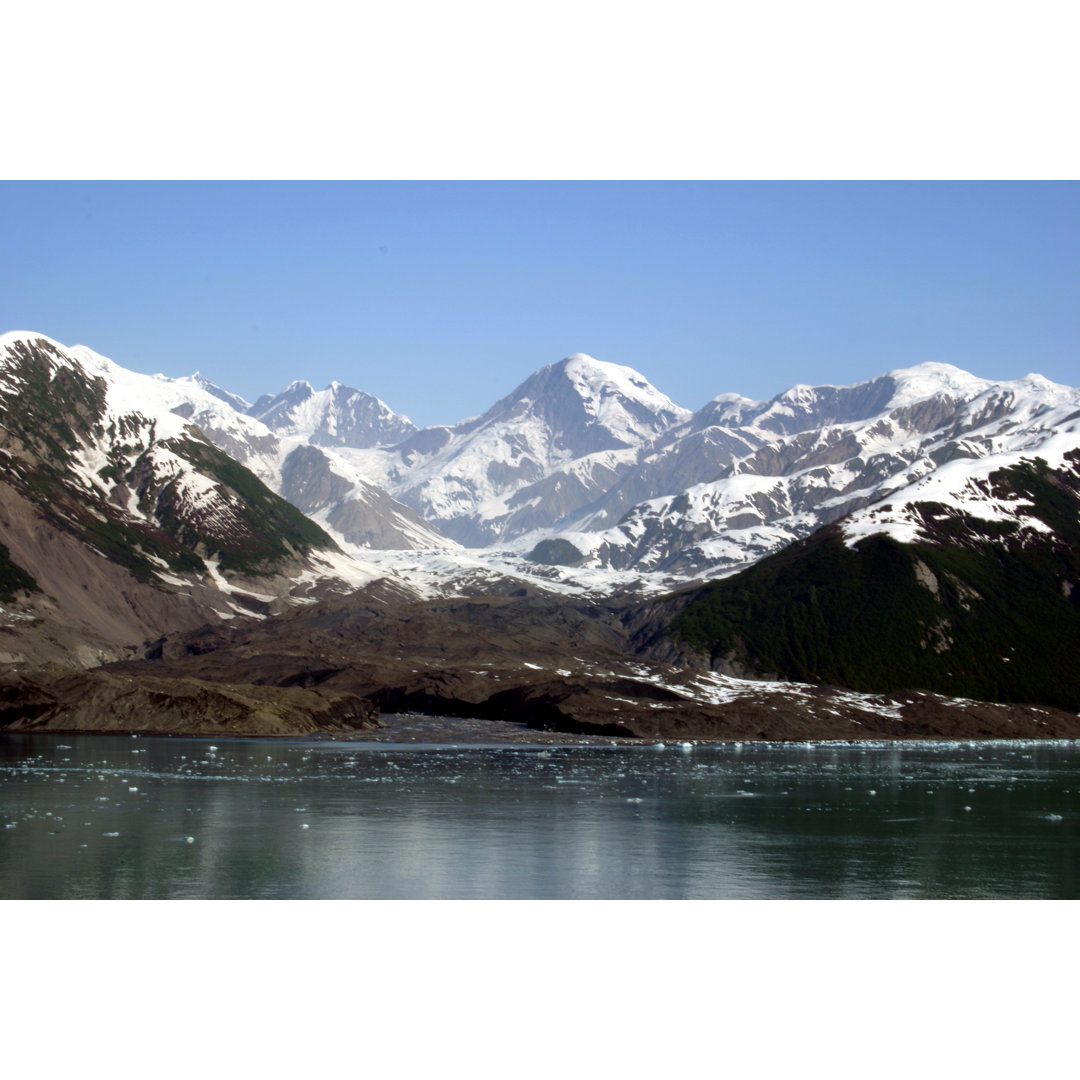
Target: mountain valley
<point>892,559</point>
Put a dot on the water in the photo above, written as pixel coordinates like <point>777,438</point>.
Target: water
<point>122,817</point>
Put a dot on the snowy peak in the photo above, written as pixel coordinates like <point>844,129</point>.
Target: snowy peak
<point>802,408</point>
<point>546,450</point>
<point>932,379</point>
<point>745,479</point>
<point>582,405</point>
<point>337,416</point>
<point>620,399</point>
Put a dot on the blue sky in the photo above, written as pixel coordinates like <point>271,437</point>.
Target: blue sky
<point>442,297</point>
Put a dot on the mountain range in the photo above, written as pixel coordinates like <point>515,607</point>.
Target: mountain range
<point>134,507</point>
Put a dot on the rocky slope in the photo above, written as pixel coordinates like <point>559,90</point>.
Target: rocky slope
<point>118,522</point>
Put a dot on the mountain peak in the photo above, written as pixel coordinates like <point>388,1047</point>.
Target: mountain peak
<point>340,415</point>
<point>12,336</point>
<point>931,378</point>
<point>586,370</point>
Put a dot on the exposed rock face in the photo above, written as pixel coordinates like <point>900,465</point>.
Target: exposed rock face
<point>100,701</point>
<point>309,483</point>
<point>87,609</point>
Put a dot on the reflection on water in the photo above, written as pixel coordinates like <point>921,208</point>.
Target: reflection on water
<point>114,817</point>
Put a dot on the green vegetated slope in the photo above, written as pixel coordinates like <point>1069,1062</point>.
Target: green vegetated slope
<point>268,529</point>
<point>984,609</point>
<point>13,579</point>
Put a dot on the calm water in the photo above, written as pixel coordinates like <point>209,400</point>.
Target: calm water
<point>121,817</point>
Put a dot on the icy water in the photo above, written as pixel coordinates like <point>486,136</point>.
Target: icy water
<point>122,817</point>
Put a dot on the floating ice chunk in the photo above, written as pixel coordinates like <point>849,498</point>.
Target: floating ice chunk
<point>110,834</point>
<point>871,792</point>
<point>304,825</point>
<point>967,807</point>
<point>133,789</point>
<point>189,839</point>
<point>1052,817</point>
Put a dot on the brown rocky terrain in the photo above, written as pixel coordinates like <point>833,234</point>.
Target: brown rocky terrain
<point>554,664</point>
<point>88,609</point>
<point>98,700</point>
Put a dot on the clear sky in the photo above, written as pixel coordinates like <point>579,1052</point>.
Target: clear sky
<point>441,297</point>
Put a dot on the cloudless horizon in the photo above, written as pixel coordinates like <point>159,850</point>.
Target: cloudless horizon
<point>442,297</point>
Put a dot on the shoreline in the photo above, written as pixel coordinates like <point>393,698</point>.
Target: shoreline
<point>410,730</point>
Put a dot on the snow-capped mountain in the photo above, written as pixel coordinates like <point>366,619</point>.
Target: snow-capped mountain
<point>235,401</point>
<point>742,479</point>
<point>586,471</point>
<point>314,478</point>
<point>551,447</point>
<point>336,416</point>
<point>119,517</point>
<point>928,510</point>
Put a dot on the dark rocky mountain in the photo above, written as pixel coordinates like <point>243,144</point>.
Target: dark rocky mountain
<point>968,606</point>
